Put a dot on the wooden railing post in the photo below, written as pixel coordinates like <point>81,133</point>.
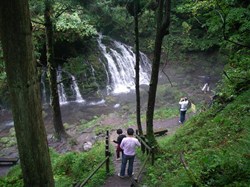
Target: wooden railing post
<point>152,155</point>
<point>142,145</point>
<point>107,153</point>
<point>142,137</point>
<point>147,150</point>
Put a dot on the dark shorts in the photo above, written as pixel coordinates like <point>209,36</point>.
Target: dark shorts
<point>118,148</point>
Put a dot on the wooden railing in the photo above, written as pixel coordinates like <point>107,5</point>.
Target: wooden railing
<point>150,151</point>
<point>106,160</point>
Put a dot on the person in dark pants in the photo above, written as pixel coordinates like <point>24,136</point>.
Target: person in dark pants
<point>183,109</point>
<point>118,142</point>
<point>128,145</point>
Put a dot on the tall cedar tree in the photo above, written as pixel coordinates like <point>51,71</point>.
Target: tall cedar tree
<point>55,104</point>
<point>163,23</point>
<point>137,67</point>
<point>24,86</point>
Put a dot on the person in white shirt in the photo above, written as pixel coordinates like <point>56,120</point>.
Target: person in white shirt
<point>128,145</point>
<point>206,87</point>
<point>183,109</point>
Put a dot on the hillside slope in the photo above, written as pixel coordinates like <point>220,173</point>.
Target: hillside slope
<point>212,148</point>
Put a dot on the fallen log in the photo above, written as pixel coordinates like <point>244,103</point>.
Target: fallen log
<point>160,133</point>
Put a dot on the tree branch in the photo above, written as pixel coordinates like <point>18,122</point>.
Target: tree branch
<point>62,11</point>
<point>164,68</point>
<point>225,73</point>
<point>40,23</point>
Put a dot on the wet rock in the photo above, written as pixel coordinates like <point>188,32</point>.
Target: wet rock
<point>87,146</point>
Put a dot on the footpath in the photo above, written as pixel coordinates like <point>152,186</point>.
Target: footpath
<point>115,180</point>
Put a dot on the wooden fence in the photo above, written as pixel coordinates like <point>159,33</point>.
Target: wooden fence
<point>106,160</point>
<point>150,151</point>
<point>145,148</point>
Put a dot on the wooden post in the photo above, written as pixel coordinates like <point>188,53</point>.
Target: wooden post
<point>142,145</point>
<point>152,155</point>
<point>107,153</point>
<point>147,150</point>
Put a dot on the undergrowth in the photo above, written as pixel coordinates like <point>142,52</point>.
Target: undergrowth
<point>68,169</point>
<point>216,150</point>
<point>212,148</point>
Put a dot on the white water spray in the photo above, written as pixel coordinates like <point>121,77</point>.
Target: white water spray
<point>121,67</point>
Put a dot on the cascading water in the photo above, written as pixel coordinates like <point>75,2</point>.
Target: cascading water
<point>43,88</point>
<point>121,62</point>
<point>119,66</point>
<point>108,88</point>
<point>60,87</point>
<point>98,89</point>
<point>75,89</point>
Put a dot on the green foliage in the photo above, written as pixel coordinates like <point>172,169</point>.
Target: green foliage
<point>88,72</point>
<point>70,20</point>
<point>75,167</point>
<point>112,19</point>
<point>2,67</point>
<point>14,178</point>
<point>85,125</point>
<point>4,92</point>
<point>9,140</point>
<point>165,113</point>
<point>71,28</point>
<point>68,168</point>
<point>102,130</point>
<point>207,23</point>
<point>237,76</point>
<point>94,124</point>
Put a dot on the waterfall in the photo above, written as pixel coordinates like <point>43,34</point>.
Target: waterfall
<point>121,66</point>
<point>60,87</point>
<point>75,88</point>
<point>146,65</point>
<point>43,87</point>
<point>118,63</point>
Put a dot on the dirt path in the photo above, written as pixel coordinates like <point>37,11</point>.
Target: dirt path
<point>114,180</point>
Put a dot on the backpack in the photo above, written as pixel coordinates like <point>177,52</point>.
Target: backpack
<point>189,104</point>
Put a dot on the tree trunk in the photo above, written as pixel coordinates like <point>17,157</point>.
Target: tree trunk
<point>55,104</point>
<point>16,37</point>
<point>163,22</point>
<point>137,69</point>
